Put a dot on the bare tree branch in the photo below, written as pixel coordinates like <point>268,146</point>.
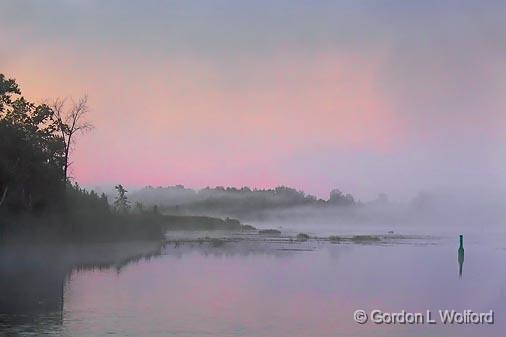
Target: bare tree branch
<point>71,121</point>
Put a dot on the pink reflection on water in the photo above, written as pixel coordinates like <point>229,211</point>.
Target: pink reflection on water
<point>299,294</point>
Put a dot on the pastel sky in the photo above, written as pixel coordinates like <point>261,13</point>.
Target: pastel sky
<point>367,96</point>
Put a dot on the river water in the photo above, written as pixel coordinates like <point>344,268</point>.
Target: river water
<point>242,288</point>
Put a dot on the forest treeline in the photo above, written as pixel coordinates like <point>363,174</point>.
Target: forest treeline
<point>38,199</point>
<point>234,201</point>
<point>31,153</point>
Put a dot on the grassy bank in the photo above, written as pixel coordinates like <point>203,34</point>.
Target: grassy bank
<point>85,228</point>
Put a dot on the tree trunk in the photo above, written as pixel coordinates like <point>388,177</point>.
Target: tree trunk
<point>66,167</point>
<point>67,151</point>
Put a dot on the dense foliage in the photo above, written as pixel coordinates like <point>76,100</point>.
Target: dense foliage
<point>31,153</point>
<point>37,200</point>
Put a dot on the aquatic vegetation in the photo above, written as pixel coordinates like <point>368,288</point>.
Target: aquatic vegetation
<point>335,238</point>
<point>303,236</point>
<point>215,242</point>
<point>269,232</point>
<point>365,238</point>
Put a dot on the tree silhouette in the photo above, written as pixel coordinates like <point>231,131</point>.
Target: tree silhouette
<point>31,152</point>
<point>70,121</point>
<point>121,203</point>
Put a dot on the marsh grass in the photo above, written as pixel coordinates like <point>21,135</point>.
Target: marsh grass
<point>303,237</point>
<point>269,232</point>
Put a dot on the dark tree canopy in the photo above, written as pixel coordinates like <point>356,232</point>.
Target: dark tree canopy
<point>31,152</point>
<point>37,200</point>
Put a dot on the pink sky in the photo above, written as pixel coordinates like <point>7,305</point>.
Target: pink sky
<point>366,116</point>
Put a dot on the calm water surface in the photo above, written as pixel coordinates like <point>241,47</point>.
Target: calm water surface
<point>303,289</point>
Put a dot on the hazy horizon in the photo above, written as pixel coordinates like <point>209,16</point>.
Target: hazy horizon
<point>368,97</point>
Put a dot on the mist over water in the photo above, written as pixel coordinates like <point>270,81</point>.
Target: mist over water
<point>441,212</point>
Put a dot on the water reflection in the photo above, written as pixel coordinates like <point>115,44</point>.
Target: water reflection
<point>32,280</point>
<point>239,288</point>
<point>33,277</point>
